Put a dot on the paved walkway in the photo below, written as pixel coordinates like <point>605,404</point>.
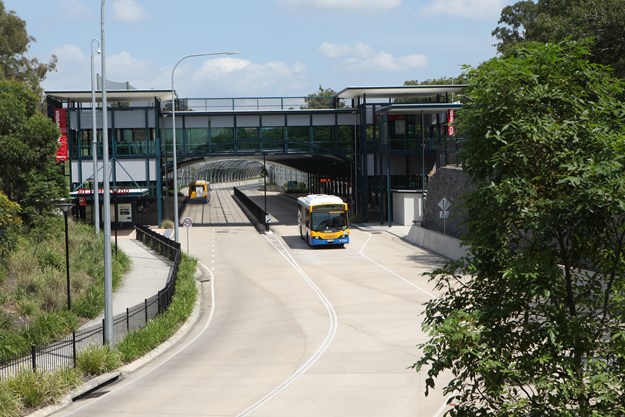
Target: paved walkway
<point>147,275</point>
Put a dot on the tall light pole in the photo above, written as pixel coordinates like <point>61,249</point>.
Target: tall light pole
<point>173,127</point>
<point>65,207</point>
<point>94,147</point>
<point>265,188</point>
<point>106,201</point>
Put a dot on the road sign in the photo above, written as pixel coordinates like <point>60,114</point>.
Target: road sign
<point>187,222</point>
<point>444,204</point>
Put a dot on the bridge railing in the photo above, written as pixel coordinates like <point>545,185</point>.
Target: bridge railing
<point>260,103</point>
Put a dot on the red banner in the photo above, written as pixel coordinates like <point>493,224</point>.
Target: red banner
<point>62,153</point>
<point>451,117</point>
<point>60,118</point>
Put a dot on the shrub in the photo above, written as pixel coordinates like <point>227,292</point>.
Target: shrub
<point>167,224</point>
<point>37,389</point>
<point>97,359</point>
<point>143,340</point>
<point>10,404</point>
<point>48,326</point>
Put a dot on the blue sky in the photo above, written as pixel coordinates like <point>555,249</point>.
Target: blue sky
<point>286,47</point>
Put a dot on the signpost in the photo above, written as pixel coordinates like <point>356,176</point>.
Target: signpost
<point>187,222</point>
<point>444,204</point>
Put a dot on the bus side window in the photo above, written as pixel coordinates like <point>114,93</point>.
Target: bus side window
<point>307,219</point>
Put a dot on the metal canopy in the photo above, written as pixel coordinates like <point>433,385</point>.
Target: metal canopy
<point>394,92</point>
<point>113,95</point>
<point>418,108</point>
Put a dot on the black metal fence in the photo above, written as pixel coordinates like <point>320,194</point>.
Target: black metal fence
<point>62,353</point>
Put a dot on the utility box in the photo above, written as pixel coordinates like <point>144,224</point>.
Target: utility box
<point>407,207</point>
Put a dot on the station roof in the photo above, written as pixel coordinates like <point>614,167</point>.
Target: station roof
<point>418,108</point>
<point>112,95</point>
<point>394,92</point>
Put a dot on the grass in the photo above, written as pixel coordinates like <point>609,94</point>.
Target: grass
<point>97,360</point>
<point>33,284</point>
<point>141,341</point>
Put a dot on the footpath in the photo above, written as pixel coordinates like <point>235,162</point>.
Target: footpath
<point>147,275</point>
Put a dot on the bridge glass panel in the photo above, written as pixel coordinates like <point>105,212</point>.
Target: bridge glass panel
<point>298,137</point>
<point>346,139</point>
<point>197,139</point>
<point>272,138</point>
<point>323,138</point>
<point>221,139</point>
<point>167,140</point>
<point>247,139</point>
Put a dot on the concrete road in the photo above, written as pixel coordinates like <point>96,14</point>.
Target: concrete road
<point>288,330</point>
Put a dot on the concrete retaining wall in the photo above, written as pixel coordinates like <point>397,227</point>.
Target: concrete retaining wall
<point>436,242</point>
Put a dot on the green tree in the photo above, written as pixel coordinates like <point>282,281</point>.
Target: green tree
<point>9,225</point>
<point>532,322</point>
<point>555,20</point>
<point>28,139</point>
<point>461,79</point>
<point>322,99</point>
<point>14,43</point>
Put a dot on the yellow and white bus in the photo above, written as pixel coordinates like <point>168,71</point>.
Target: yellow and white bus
<point>199,191</point>
<point>323,220</point>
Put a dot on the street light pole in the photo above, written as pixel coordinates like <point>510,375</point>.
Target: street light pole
<point>173,124</point>
<point>106,212</point>
<point>265,187</point>
<point>94,147</point>
<point>114,190</point>
<point>65,207</point>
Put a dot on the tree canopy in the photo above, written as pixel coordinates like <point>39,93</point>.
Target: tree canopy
<point>532,322</point>
<point>322,99</point>
<point>28,139</point>
<point>555,20</point>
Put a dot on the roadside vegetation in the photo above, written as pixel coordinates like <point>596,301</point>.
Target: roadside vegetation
<point>33,284</point>
<point>29,390</point>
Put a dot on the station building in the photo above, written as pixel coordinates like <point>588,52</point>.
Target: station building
<point>373,146</point>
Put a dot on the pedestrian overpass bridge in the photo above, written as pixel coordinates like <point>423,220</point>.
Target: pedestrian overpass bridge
<point>363,143</point>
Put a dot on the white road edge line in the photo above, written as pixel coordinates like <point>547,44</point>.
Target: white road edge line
<point>361,251</point>
<point>429,294</point>
<point>282,250</point>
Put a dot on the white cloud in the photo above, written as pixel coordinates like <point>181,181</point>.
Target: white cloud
<point>337,50</point>
<point>472,9</point>
<point>223,65</point>
<point>69,54</point>
<point>385,62</point>
<point>123,67</point>
<point>361,57</point>
<point>350,5</point>
<point>74,9</point>
<point>128,11</point>
<point>231,76</point>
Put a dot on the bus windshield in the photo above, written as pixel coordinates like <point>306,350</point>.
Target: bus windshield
<point>323,220</point>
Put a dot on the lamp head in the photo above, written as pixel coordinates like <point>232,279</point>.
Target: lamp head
<point>64,206</point>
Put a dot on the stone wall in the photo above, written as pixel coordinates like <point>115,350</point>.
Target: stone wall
<point>449,183</point>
